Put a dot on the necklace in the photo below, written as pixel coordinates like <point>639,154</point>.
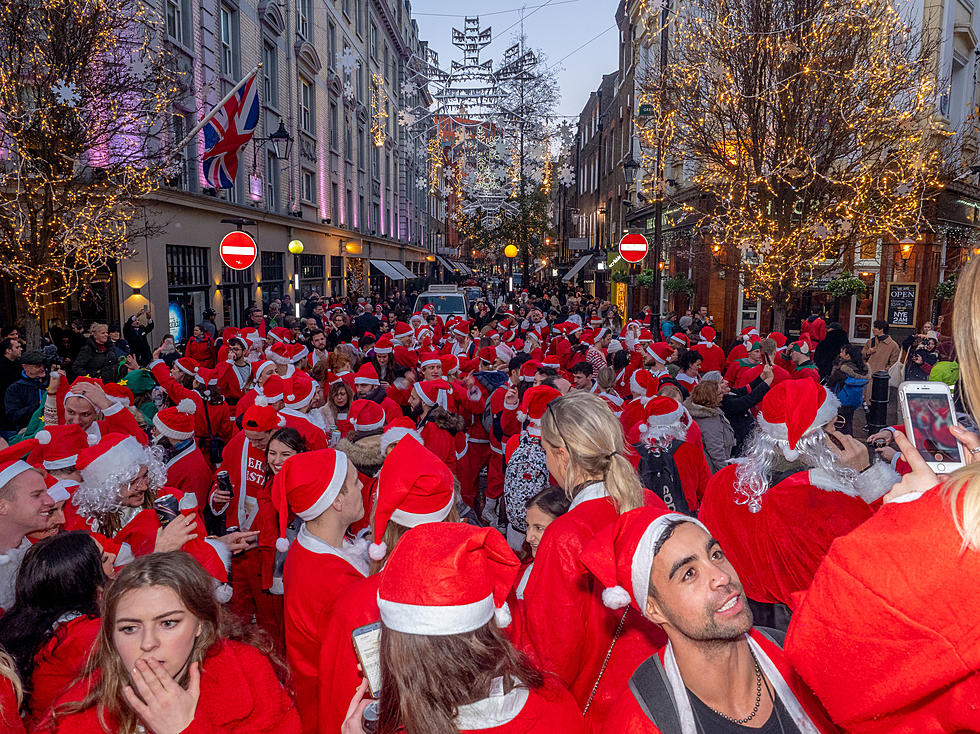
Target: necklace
<point>758,698</point>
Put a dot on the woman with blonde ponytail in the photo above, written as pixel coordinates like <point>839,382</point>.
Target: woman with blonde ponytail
<point>591,648</point>
<point>886,635</point>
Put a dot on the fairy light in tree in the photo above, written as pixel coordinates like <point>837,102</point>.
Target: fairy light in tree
<point>379,115</point>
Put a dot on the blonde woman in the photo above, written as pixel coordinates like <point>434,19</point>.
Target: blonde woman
<point>570,629</point>
<point>886,635</point>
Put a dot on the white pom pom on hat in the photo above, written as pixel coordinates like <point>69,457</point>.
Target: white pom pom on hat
<point>502,616</point>
<point>43,437</point>
<point>186,406</point>
<point>377,551</point>
<point>222,592</point>
<point>262,401</point>
<point>282,545</point>
<point>615,597</point>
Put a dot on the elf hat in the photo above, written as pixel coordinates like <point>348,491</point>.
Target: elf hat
<point>643,384</point>
<point>12,462</point>
<point>300,391</point>
<point>620,555</point>
<point>383,345</point>
<point>800,347</point>
<point>396,431</point>
<point>447,579</point>
<point>753,343</point>
<point>794,408</point>
<point>367,375</point>
<point>58,446</point>
<point>434,392</point>
<point>366,415</point>
<point>414,487</point>
<point>307,485</point>
<point>176,423</point>
<point>262,417</point>
<point>273,389</point>
<point>97,463</point>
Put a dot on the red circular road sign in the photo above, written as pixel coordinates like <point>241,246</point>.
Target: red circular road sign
<point>237,250</point>
<point>633,247</point>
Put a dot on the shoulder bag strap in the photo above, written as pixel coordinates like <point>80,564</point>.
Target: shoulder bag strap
<point>651,689</point>
<point>605,663</point>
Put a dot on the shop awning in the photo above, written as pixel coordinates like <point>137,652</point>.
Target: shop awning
<point>464,269</point>
<point>402,269</point>
<point>446,264</point>
<point>387,268</point>
<point>576,268</point>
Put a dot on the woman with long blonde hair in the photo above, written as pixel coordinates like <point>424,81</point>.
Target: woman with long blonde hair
<point>886,634</point>
<point>592,649</point>
<point>166,660</point>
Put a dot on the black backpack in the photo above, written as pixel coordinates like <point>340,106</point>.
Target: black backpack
<point>658,473</point>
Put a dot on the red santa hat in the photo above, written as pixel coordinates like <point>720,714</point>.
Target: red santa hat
<point>206,376</point>
<point>551,361</point>
<point>402,331</point>
<point>262,418</point>
<point>643,384</point>
<point>99,462</point>
<point>747,332</point>
<point>529,369</point>
<point>447,579</point>
<point>778,337</point>
<point>794,408</point>
<point>487,355</point>
<point>58,446</point>
<point>429,359</point>
<point>367,375</point>
<point>414,487</point>
<point>462,328</point>
<point>278,352</point>
<point>681,338</point>
<point>119,394</point>
<point>707,334</point>
<point>259,366</point>
<point>660,351</point>
<point>383,345</point>
<point>272,390</point>
<point>251,334</point>
<point>12,462</point>
<point>280,335</point>
<point>307,485</point>
<point>663,417</point>
<point>621,555</point>
<point>434,392</point>
<point>366,415</point>
<point>645,336</point>
<point>58,488</point>
<point>396,431</point>
<point>187,365</point>
<point>450,364</point>
<point>534,403</point>
<point>176,423</point>
<point>229,332</point>
<point>300,391</point>
<point>209,556</point>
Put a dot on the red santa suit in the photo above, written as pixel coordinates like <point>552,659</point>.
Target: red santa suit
<point>509,426</point>
<point>567,623</point>
<point>190,472</point>
<point>220,416</point>
<point>240,694</point>
<point>59,662</point>
<point>545,710</point>
<point>9,714</point>
<point>886,634</point>
<point>231,383</point>
<point>712,356</point>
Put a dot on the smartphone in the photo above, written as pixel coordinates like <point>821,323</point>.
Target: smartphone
<point>929,414</point>
<point>367,646</point>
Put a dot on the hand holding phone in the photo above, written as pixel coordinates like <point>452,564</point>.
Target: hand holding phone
<point>367,646</point>
<point>929,420</point>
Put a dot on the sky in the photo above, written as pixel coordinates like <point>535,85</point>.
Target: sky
<point>557,27</point>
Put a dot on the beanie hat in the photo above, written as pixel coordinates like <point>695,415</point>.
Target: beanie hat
<point>396,431</point>
<point>97,463</point>
<point>12,463</point>
<point>620,555</point>
<point>58,446</point>
<point>434,392</point>
<point>414,487</point>
<point>177,422</point>
<point>643,383</point>
<point>792,409</point>
<point>261,417</point>
<point>383,345</point>
<point>299,391</point>
<point>307,485</point>
<point>367,375</point>
<point>948,372</point>
<point>614,346</point>
<point>366,415</point>
<point>447,579</point>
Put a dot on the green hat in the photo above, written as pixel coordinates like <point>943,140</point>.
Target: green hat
<point>948,372</point>
<point>139,381</point>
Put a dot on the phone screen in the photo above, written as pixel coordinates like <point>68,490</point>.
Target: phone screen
<point>930,418</point>
<point>367,645</point>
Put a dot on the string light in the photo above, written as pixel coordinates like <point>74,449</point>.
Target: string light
<point>379,115</point>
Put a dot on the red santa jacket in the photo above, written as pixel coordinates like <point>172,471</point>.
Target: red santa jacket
<point>9,715</point>
<point>307,610</point>
<point>569,626</point>
<point>58,663</point>
<point>190,472</point>
<point>545,710</point>
<point>314,436</point>
<point>509,424</point>
<point>777,549</point>
<point>220,416</point>
<point>201,351</point>
<point>245,464</point>
<point>240,694</point>
<point>816,330</point>
<point>628,716</point>
<point>886,634</point>
<point>230,384</point>
<point>712,357</point>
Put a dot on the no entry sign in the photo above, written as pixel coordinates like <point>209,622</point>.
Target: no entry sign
<point>633,247</point>
<point>237,250</point>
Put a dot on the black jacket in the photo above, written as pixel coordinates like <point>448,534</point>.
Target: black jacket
<point>22,399</point>
<point>136,336</point>
<point>93,362</point>
<point>736,405</point>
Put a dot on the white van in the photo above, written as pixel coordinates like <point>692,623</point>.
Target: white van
<point>446,300</point>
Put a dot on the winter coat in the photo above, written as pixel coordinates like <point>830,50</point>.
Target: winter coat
<point>93,362</point>
<point>736,405</point>
<point>717,434</point>
<point>848,384</point>
<point>828,350</point>
<point>135,334</point>
<point>201,351</point>
<point>364,450</point>
<point>22,399</point>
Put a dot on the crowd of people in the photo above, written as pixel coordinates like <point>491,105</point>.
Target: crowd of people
<point>538,516</point>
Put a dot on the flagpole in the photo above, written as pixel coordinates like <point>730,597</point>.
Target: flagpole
<point>214,110</point>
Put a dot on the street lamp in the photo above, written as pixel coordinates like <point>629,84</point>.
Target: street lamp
<point>282,141</point>
<point>906,244</point>
<point>630,167</point>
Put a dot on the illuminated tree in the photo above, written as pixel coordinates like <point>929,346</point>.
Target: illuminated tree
<point>86,92</point>
<point>808,125</point>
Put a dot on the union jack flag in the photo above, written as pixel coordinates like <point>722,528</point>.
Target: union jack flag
<point>227,132</point>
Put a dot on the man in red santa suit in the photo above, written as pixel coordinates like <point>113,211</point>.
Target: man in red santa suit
<point>298,397</point>
<point>643,387</point>
<point>415,487</point>
<point>322,488</point>
<point>234,373</point>
<point>712,356</point>
<point>461,345</point>
<point>187,469</point>
<point>262,371</point>
<point>84,403</point>
<point>717,673</point>
<point>442,602</point>
<point>800,485</point>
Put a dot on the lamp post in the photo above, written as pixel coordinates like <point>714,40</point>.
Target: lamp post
<point>282,141</point>
<point>906,244</point>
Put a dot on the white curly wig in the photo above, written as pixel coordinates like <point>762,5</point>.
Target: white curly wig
<point>104,479</point>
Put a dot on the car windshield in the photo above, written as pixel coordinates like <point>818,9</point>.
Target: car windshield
<point>448,304</point>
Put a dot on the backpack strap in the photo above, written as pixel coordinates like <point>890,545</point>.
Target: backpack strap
<point>652,692</point>
<point>775,636</point>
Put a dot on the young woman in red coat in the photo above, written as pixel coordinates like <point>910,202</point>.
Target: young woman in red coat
<point>164,662</point>
<point>200,348</point>
<point>53,623</point>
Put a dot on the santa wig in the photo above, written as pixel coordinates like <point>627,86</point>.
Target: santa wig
<point>101,494</point>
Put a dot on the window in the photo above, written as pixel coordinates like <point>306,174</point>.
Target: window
<point>349,209</point>
<point>306,105</point>
<point>273,276</point>
<point>374,40</point>
<point>270,74</point>
<point>188,266</point>
<point>361,212</point>
<point>175,20</point>
<point>336,276</point>
<point>360,148</point>
<point>236,294</point>
<point>375,217</point>
<point>311,275</point>
<point>309,186</point>
<point>331,46</point>
<point>387,75</point>
<point>228,22</point>
<point>334,124</point>
<point>303,15</point>
<point>388,171</point>
<point>178,127</point>
<point>360,83</point>
<point>335,203</point>
<point>348,146</point>
<point>358,17</point>
<point>271,181</point>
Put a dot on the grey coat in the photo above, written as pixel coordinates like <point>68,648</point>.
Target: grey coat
<point>716,433</point>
